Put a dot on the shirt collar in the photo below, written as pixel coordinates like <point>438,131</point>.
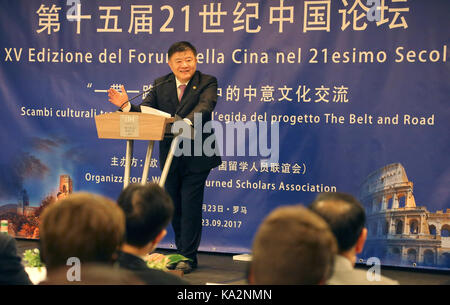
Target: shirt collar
<point>180,83</point>
<point>342,263</point>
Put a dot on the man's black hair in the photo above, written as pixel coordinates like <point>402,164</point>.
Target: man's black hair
<point>148,210</point>
<point>344,214</point>
<point>181,46</point>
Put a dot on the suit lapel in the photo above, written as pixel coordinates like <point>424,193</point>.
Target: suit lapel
<point>173,92</point>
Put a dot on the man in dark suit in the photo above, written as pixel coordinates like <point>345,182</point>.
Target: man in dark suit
<point>189,95</point>
<point>11,269</point>
<point>148,210</point>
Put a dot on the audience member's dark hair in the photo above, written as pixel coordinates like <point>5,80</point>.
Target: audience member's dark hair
<point>83,225</point>
<point>181,46</point>
<point>12,271</point>
<point>344,214</point>
<point>148,210</point>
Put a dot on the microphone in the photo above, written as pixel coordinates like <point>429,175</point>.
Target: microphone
<point>148,90</point>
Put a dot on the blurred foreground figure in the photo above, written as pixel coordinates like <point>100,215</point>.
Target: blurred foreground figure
<point>11,269</point>
<point>92,274</point>
<point>293,246</point>
<point>80,229</point>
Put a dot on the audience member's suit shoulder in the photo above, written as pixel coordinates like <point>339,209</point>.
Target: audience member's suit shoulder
<point>7,245</point>
<point>147,275</point>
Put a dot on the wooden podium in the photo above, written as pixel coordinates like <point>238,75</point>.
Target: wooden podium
<point>132,126</point>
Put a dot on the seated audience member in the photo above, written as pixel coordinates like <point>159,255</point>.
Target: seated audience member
<point>11,269</point>
<point>346,218</point>
<point>148,210</point>
<point>93,274</point>
<point>85,226</point>
<point>293,246</point>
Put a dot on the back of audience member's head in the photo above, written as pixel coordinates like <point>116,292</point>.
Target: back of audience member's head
<point>86,226</point>
<point>148,210</point>
<point>344,214</point>
<point>12,272</point>
<point>293,246</point>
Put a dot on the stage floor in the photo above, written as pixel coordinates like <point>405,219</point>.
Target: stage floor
<point>222,269</point>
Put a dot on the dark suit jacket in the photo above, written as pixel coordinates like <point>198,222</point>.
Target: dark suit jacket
<point>200,96</point>
<point>146,274</point>
<point>11,269</point>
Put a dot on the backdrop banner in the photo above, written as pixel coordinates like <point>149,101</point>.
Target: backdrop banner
<point>314,96</point>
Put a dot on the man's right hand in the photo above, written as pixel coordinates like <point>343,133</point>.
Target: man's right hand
<point>117,98</point>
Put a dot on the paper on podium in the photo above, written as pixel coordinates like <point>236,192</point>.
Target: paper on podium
<point>151,110</point>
